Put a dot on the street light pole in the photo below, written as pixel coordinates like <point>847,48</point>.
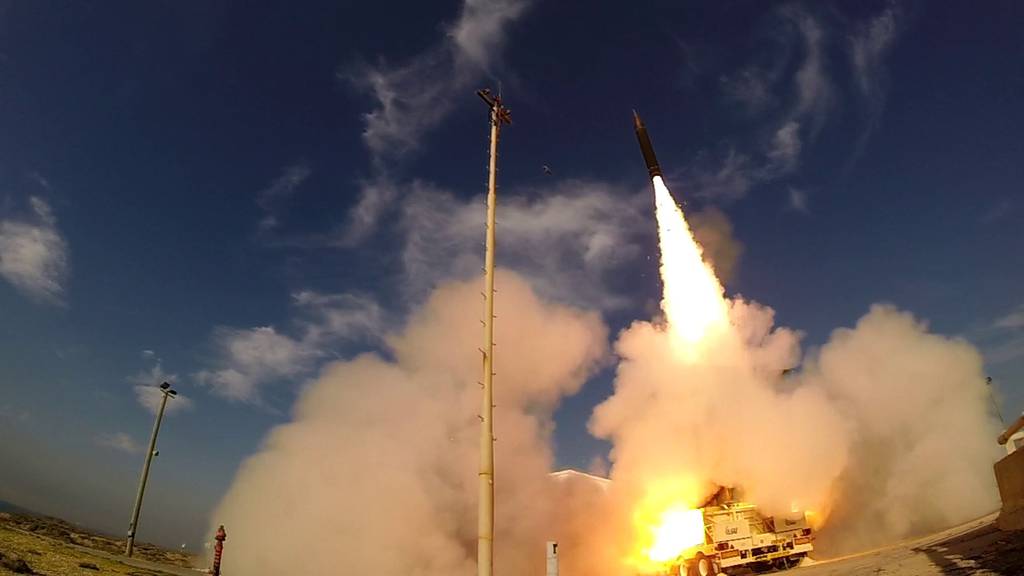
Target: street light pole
<point>167,392</point>
<point>485,520</point>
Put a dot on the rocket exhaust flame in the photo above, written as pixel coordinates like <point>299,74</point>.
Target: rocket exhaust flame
<point>693,300</point>
<point>666,523</point>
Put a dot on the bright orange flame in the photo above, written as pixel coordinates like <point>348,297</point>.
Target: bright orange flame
<point>680,528</point>
<point>666,524</point>
<point>692,297</point>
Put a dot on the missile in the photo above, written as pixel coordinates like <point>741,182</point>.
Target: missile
<point>645,146</point>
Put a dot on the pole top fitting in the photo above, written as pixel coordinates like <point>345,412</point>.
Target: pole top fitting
<point>501,115</point>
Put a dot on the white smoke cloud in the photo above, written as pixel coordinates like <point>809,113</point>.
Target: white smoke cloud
<point>882,433</point>
<point>714,232</point>
<point>923,446</point>
<point>886,432</point>
<point>378,471</point>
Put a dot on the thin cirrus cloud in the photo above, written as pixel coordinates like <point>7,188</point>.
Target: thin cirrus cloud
<point>805,39</point>
<point>414,97</point>
<point>272,198</point>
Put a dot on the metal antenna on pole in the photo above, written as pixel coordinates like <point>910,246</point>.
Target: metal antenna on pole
<point>485,533</point>
<point>167,392</point>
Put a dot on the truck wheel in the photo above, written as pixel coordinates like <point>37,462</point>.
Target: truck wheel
<point>703,566</point>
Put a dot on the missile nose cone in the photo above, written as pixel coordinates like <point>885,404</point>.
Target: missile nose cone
<point>637,122</point>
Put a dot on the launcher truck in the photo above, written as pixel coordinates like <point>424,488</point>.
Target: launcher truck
<point>736,535</point>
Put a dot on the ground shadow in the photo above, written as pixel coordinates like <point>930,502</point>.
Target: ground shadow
<point>985,548</point>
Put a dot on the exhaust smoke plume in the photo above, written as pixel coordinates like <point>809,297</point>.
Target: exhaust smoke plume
<point>377,472</point>
<point>884,433</point>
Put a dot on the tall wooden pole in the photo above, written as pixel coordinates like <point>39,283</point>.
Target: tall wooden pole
<point>485,528</point>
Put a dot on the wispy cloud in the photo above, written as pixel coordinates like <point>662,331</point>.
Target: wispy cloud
<point>800,40</point>
<point>571,239</point>
<point>1005,351</point>
<point>814,97</point>
<point>995,211</point>
<point>721,179</point>
<point>1002,338</point>
<point>271,198</point>
<point>798,200</point>
<point>868,47</point>
<point>248,359</point>
<point>1012,320</point>
<point>375,198</point>
<point>34,255</point>
<point>147,390</point>
<point>751,87</point>
<point>12,414</point>
<point>412,98</point>
<point>119,441</point>
<point>814,89</point>
<point>799,44</point>
<point>784,152</point>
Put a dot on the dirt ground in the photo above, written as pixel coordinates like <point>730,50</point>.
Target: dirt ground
<point>977,547</point>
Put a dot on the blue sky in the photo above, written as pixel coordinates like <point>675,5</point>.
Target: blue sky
<point>230,195</point>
